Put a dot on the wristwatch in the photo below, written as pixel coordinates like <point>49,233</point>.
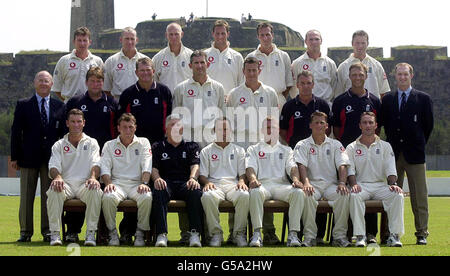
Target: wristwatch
<point>393,184</point>
<point>145,183</point>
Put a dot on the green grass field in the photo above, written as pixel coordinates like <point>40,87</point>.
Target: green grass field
<point>438,241</point>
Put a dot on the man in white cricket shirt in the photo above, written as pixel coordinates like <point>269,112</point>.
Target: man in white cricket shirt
<point>126,166</point>
<point>322,163</point>
<point>74,168</point>
<point>268,165</point>
<point>222,175</point>
<point>372,161</point>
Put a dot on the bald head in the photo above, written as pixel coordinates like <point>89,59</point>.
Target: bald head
<point>174,34</point>
<point>43,83</point>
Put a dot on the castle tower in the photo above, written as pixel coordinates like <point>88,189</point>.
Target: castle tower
<point>97,15</point>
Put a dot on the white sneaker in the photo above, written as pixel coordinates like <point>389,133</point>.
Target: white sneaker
<point>256,240</point>
<point>90,238</point>
<point>343,242</point>
<point>240,239</point>
<point>394,241</point>
<point>139,238</point>
<point>113,238</point>
<point>55,239</point>
<point>216,240</point>
<point>161,240</point>
<point>360,241</point>
<point>309,242</point>
<point>194,239</point>
<point>292,240</point>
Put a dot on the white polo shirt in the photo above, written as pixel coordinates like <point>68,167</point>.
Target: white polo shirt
<point>171,69</point>
<point>126,165</point>
<point>324,71</point>
<point>272,164</point>
<point>120,72</point>
<point>373,164</point>
<point>225,67</point>
<point>75,163</point>
<point>376,83</point>
<point>69,76</point>
<point>275,68</point>
<point>322,161</point>
<point>201,100</point>
<point>222,165</point>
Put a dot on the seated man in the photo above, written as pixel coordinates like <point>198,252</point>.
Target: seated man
<point>320,159</point>
<point>371,162</point>
<point>268,166</point>
<point>175,172</point>
<point>221,165</point>
<point>74,168</point>
<point>126,165</point>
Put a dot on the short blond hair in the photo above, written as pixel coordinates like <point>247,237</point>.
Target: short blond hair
<point>411,69</point>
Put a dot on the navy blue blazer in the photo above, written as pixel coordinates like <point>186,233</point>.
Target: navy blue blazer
<point>31,143</point>
<point>408,131</point>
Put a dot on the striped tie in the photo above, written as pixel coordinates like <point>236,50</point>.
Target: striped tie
<point>403,102</point>
<point>44,113</point>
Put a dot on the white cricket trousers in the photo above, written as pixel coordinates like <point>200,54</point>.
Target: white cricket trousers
<point>284,192</point>
<point>392,204</point>
<point>110,202</point>
<point>340,205</point>
<point>211,200</point>
<point>55,205</point>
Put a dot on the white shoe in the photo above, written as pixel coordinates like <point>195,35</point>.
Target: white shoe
<point>90,238</point>
<point>309,242</point>
<point>161,240</point>
<point>139,238</point>
<point>216,240</point>
<point>292,240</point>
<point>240,239</point>
<point>394,241</point>
<point>113,238</point>
<point>256,240</point>
<point>360,241</point>
<point>194,239</point>
<point>343,242</point>
<point>55,239</point>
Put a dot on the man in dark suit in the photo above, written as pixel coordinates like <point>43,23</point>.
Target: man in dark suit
<point>36,127</point>
<point>407,116</point>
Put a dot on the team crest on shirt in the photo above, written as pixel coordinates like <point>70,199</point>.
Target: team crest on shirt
<point>136,152</point>
<point>280,156</point>
<point>328,152</point>
<point>183,64</point>
<point>324,68</point>
<point>229,61</point>
<point>85,147</point>
<point>277,63</point>
<point>368,108</point>
<point>370,70</point>
<point>232,156</point>
<point>184,155</point>
<point>377,151</point>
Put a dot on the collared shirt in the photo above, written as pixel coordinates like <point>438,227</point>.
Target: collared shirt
<point>371,164</point>
<point>170,69</point>
<point>120,72</point>
<point>347,109</point>
<point>46,104</point>
<point>222,165</point>
<point>322,161</point>
<point>376,83</point>
<point>99,116</point>
<point>272,164</point>
<point>174,163</point>
<point>325,75</point>
<point>400,92</point>
<point>225,67</point>
<point>275,68</point>
<point>69,76</point>
<point>296,116</point>
<point>75,163</point>
<point>126,164</point>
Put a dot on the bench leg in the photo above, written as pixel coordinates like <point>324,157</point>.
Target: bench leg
<point>250,228</point>
<point>102,230</point>
<point>63,226</point>
<point>285,225</point>
<point>384,230</point>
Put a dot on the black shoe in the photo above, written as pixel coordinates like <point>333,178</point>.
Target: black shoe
<point>421,241</point>
<point>24,238</point>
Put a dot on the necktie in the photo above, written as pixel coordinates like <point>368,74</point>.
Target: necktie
<point>43,113</point>
<point>403,102</point>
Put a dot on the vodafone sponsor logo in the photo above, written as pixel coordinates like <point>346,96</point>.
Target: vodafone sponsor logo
<point>262,155</point>
<point>359,152</point>
<point>313,151</point>
<point>211,59</point>
<point>165,63</point>
<point>243,100</point>
<point>118,152</point>
<point>191,93</point>
<point>72,66</point>
<point>66,149</point>
<point>215,157</point>
<point>120,66</point>
<point>306,67</point>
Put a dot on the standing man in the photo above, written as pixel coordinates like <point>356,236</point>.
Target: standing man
<point>372,161</point>
<point>126,165</point>
<point>275,64</point>
<point>323,68</point>
<point>37,125</point>
<point>408,122</point>
<point>225,64</point>
<point>74,168</point>
<point>70,71</point>
<point>268,166</point>
<point>120,68</point>
<point>172,63</point>
<point>222,175</point>
<point>174,175</point>
<point>377,82</point>
<point>322,163</point>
